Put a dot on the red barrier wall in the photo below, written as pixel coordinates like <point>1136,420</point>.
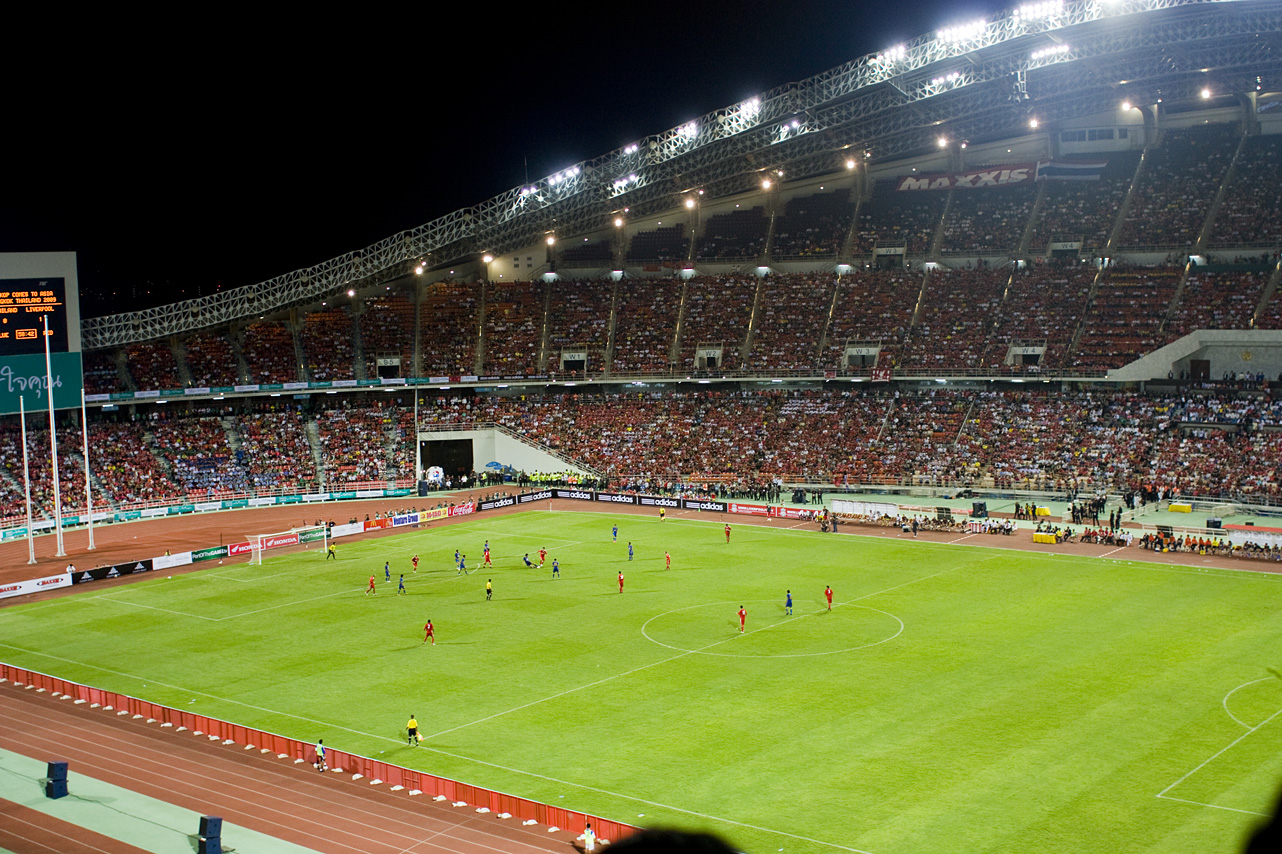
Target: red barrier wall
<point>393,775</point>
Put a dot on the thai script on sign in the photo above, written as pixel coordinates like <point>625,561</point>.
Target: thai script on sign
<point>36,382</point>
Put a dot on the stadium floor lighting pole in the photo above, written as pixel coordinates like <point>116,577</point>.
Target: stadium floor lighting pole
<point>53,442</point>
<point>418,448</point>
<point>84,431</point>
<point>26,480</point>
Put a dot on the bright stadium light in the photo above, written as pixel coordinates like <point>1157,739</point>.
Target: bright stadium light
<point>962,33</point>
<point>894,54</point>
<point>943,142</point>
<point>1039,11</point>
<point>1055,50</point>
<point>688,130</point>
<point>1206,94</point>
<point>1033,123</point>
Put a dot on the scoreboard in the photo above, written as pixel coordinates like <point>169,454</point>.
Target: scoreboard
<point>24,306</point>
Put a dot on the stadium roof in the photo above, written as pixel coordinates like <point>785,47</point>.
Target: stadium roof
<point>1053,61</point>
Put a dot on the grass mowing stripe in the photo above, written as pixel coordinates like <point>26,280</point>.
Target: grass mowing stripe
<point>1025,692</point>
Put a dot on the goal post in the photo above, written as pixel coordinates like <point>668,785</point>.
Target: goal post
<point>307,537</point>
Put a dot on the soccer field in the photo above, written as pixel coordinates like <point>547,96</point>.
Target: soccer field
<point>955,698</point>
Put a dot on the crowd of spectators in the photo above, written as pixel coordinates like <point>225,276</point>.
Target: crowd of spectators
<point>1084,210</point>
<point>327,345</point>
<point>579,317</point>
<point>450,329</point>
<point>152,365</point>
<point>895,218</point>
<point>813,226</point>
<point>646,326</point>
<point>1223,443</point>
<point>354,443</point>
<point>101,375</point>
<point>513,328</point>
<point>789,322</point>
<point>1175,192</point>
<point>1043,306</point>
<point>955,319</point>
<point>1124,318</point>
<point>269,352</point>
<point>275,451</point>
<point>718,310</point>
<point>199,454</point>
<point>1251,212</point>
<point>873,305</point>
<point>210,360</point>
<point>1219,300</point>
<point>988,221</point>
<point>387,330</point>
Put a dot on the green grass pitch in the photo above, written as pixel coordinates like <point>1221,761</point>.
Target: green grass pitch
<point>956,698</point>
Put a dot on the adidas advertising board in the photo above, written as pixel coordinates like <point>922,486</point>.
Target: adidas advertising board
<point>578,495</point>
<point>654,501</point>
<point>541,495</point>
<point>101,573</point>
<point>713,506</point>
<point>616,499</point>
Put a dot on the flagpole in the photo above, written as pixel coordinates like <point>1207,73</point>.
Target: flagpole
<point>26,480</point>
<point>53,443</point>
<point>84,428</point>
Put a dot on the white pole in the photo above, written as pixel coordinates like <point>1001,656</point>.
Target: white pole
<point>84,428</point>
<point>53,443</point>
<point>418,451</point>
<point>26,480</point>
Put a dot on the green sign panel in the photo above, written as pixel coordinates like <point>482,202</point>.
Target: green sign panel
<point>24,378</point>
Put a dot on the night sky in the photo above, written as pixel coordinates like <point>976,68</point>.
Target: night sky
<point>209,159</point>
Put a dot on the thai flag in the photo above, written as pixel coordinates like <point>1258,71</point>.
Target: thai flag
<point>1070,170</point>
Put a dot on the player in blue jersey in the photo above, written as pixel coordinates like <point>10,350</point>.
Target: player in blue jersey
<point>788,604</point>
<point>615,533</point>
<point>629,551</point>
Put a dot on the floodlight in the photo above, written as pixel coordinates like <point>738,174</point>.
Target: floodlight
<point>689,203</point>
<point>1206,93</point>
<point>943,142</point>
<point>487,258</point>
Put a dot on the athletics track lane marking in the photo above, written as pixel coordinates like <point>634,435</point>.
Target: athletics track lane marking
<point>397,741</point>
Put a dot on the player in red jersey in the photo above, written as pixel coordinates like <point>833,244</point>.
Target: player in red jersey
<point>429,633</point>
<point>487,555</point>
<point>620,582</point>
<point>727,532</point>
<point>414,560</point>
<point>667,560</point>
<point>743,617</point>
<point>828,593</point>
<point>371,587</point>
<point>543,556</point>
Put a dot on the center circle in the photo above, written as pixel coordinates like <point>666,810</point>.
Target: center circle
<point>713,629</point>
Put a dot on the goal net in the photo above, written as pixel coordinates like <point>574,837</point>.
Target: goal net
<point>310,537</point>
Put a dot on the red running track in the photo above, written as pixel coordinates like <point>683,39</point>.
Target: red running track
<point>328,813</point>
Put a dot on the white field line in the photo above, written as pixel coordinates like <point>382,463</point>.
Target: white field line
<point>398,741</point>
<point>960,539</point>
<point>671,658</point>
<point>1225,701</point>
<point>1214,756</point>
